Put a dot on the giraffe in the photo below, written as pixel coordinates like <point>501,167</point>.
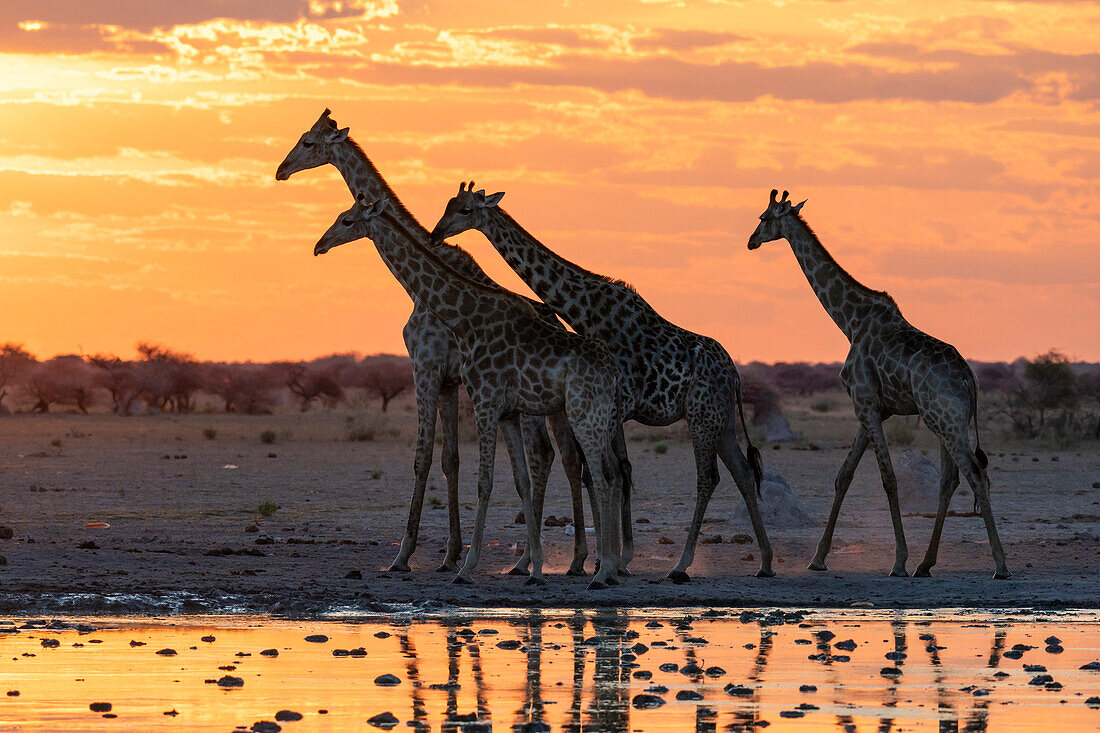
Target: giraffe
<point>892,368</point>
<point>669,373</point>
<point>514,363</point>
<point>436,367</point>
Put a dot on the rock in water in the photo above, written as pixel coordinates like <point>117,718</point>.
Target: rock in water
<point>387,680</point>
<point>384,720</point>
<point>287,715</point>
<point>779,505</point>
<point>918,483</point>
<point>647,702</point>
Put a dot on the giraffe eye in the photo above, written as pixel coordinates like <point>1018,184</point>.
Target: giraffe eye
<point>307,144</point>
<point>346,222</point>
<point>466,211</point>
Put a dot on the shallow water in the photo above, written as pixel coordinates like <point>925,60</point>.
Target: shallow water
<point>572,670</point>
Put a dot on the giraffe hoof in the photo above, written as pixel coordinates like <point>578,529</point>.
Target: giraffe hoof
<point>679,577</point>
<point>899,573</point>
<point>461,580</point>
<point>597,585</point>
<point>1002,575</point>
<point>765,573</point>
<point>447,567</point>
<point>398,567</point>
<point>818,567</point>
<point>517,570</point>
<point>624,573</point>
<point>923,572</point>
<point>532,580</point>
<point>576,572</point>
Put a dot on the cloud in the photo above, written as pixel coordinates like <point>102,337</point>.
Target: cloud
<point>144,15</point>
<point>674,39</point>
<point>732,81</point>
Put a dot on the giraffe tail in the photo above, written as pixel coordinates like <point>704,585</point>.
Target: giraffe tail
<point>979,454</point>
<point>755,461</point>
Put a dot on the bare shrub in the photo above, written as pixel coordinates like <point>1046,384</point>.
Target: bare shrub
<point>384,376</point>
<point>63,380</point>
<point>168,379</point>
<point>309,383</point>
<point>119,379</point>
<point>900,431</point>
<point>15,363</point>
<point>247,388</point>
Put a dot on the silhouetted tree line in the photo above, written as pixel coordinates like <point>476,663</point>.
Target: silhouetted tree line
<point>1047,395</point>
<point>162,380</point>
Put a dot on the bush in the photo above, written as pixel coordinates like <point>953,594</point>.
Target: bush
<point>267,507</point>
<point>900,432</point>
<point>209,433</point>
<point>267,437</point>
<point>660,448</point>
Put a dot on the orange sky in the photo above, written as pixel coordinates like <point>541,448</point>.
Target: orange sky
<point>950,152</point>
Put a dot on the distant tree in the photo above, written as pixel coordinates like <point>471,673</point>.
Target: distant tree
<point>247,388</point>
<point>63,380</point>
<point>998,377</point>
<point>168,379</point>
<point>309,383</point>
<point>118,378</point>
<point>1046,397</point>
<point>15,363</point>
<point>385,377</point>
<point>1088,388</point>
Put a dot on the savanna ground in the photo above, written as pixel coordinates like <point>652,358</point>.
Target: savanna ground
<point>184,509</point>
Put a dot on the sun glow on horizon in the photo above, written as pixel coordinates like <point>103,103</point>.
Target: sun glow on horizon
<point>950,153</point>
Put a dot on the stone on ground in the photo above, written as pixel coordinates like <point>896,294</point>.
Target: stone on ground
<point>779,505</point>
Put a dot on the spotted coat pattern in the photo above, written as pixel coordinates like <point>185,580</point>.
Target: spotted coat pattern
<point>892,368</point>
<point>669,372</point>
<point>436,363</point>
<point>514,363</point>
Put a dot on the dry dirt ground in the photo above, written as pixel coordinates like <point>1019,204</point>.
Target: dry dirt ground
<point>179,506</point>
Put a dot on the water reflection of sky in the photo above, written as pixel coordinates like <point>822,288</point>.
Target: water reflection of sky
<point>569,670</point>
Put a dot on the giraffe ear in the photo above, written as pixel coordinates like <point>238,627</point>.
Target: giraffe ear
<point>798,207</point>
<point>340,135</point>
<point>491,201</point>
<point>380,205</point>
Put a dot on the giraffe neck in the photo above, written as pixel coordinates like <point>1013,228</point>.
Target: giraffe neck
<point>429,280</point>
<point>578,295</point>
<point>362,176</point>
<point>847,301</point>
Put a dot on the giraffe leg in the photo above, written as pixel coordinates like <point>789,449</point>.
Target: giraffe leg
<point>978,479</point>
<point>730,452</point>
<point>605,474</point>
<point>427,396</point>
<point>706,473</point>
<point>571,462</point>
<point>949,481</point>
<point>513,439</point>
<point>487,425</point>
<point>540,454</point>
<point>627,483</point>
<point>448,410</point>
<point>840,488</point>
<point>890,485</point>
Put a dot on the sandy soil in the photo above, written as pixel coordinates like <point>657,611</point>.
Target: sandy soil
<point>179,506</point>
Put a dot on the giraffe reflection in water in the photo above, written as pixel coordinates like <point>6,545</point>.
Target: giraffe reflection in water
<point>577,670</point>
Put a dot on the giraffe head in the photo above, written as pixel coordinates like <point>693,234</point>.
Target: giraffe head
<point>361,220</point>
<point>465,211</point>
<point>770,227</point>
<point>314,147</point>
